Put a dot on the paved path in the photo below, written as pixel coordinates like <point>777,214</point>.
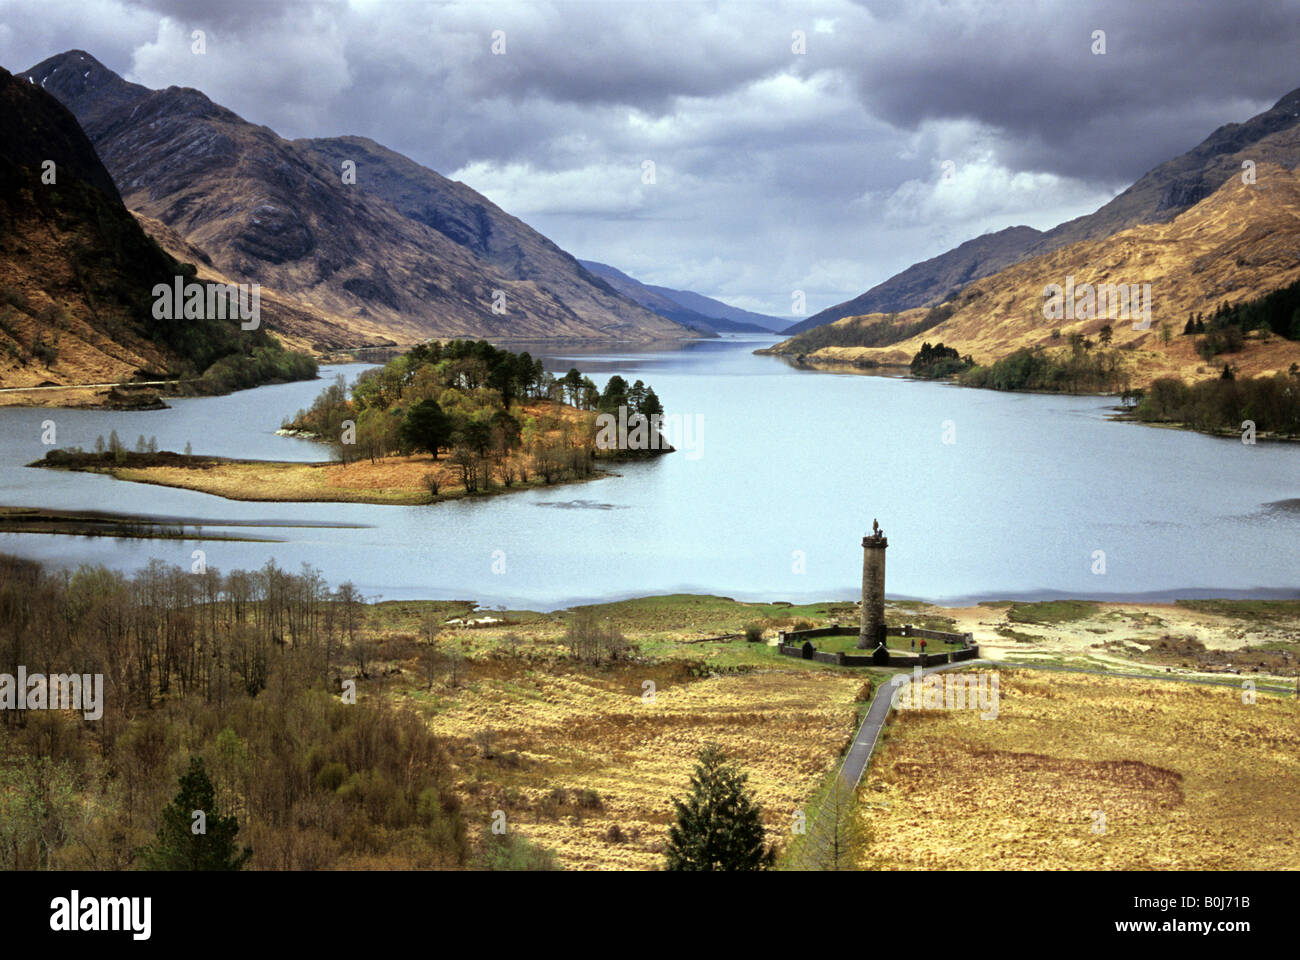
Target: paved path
<point>865,742</point>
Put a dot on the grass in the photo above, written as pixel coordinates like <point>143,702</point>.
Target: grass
<point>1052,611</point>
<point>395,481</point>
<point>1188,777</point>
<point>849,644</point>
<point>1266,611</point>
<point>572,729</point>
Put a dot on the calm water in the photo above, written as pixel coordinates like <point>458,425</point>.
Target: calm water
<point>791,469</point>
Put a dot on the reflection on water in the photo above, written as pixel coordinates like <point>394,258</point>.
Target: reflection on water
<point>793,467</point>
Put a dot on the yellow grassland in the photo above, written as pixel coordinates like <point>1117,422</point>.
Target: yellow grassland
<point>586,730</point>
<point>1188,778</point>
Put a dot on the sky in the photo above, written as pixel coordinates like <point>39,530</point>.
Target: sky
<point>745,150</point>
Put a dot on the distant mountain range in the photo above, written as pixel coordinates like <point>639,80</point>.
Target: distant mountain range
<point>77,272</point>
<point>1157,197</point>
<point>690,309</point>
<point>401,254</point>
<point>1238,244</point>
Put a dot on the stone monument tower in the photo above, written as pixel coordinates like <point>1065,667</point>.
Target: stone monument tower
<point>872,632</point>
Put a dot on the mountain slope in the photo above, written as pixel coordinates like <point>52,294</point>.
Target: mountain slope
<point>659,300</point>
<point>1157,197</point>
<point>77,272</point>
<point>1239,243</point>
<point>717,310</point>
<point>933,280</point>
<point>280,213</point>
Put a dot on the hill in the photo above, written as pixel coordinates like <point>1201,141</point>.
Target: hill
<point>658,300</point>
<point>77,272</point>
<point>717,310</point>
<point>1238,244</point>
<point>1157,197</point>
<point>400,254</point>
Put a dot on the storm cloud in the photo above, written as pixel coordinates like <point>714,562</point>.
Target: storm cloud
<point>774,170</point>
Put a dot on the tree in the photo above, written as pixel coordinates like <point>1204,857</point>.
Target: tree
<point>1106,335</point>
<point>476,435</point>
<point>719,827</point>
<point>181,844</point>
<point>838,837</point>
<point>615,394</point>
<point>426,427</point>
<point>572,384</point>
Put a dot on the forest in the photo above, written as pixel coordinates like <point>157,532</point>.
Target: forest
<point>243,670</point>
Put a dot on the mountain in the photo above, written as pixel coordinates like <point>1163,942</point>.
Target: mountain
<point>691,309</point>
<point>717,310</point>
<point>1239,243</point>
<point>932,281</point>
<point>1157,197</point>
<point>401,254</point>
<point>77,272</point>
<point>659,300</point>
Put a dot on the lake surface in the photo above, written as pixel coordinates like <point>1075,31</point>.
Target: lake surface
<point>788,470</point>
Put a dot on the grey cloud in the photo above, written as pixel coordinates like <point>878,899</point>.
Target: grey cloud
<point>777,169</point>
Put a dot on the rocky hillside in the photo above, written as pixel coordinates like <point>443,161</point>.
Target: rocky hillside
<point>1237,244</point>
<point>1157,197</point>
<point>77,271</point>
<point>402,254</point>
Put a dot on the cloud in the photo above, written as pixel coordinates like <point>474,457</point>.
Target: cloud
<point>775,170</point>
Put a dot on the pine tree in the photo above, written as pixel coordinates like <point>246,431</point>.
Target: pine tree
<point>181,844</point>
<point>719,827</point>
<point>838,838</point>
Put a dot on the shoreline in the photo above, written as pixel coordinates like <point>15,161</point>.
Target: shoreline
<point>285,481</point>
<point>869,368</point>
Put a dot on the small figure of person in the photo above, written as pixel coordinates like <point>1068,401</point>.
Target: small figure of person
<point>923,646</point>
<point>914,643</point>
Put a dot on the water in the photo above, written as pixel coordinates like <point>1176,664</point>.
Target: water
<point>792,467</point>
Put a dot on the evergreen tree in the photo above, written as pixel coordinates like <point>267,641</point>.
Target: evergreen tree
<point>838,838</point>
<point>615,394</point>
<point>426,427</point>
<point>719,827</point>
<point>651,405</point>
<point>181,844</point>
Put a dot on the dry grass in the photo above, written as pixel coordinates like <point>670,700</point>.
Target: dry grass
<point>1189,778</point>
<point>387,480</point>
<point>573,730</point>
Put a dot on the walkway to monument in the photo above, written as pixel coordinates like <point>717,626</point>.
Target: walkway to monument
<point>855,763</point>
